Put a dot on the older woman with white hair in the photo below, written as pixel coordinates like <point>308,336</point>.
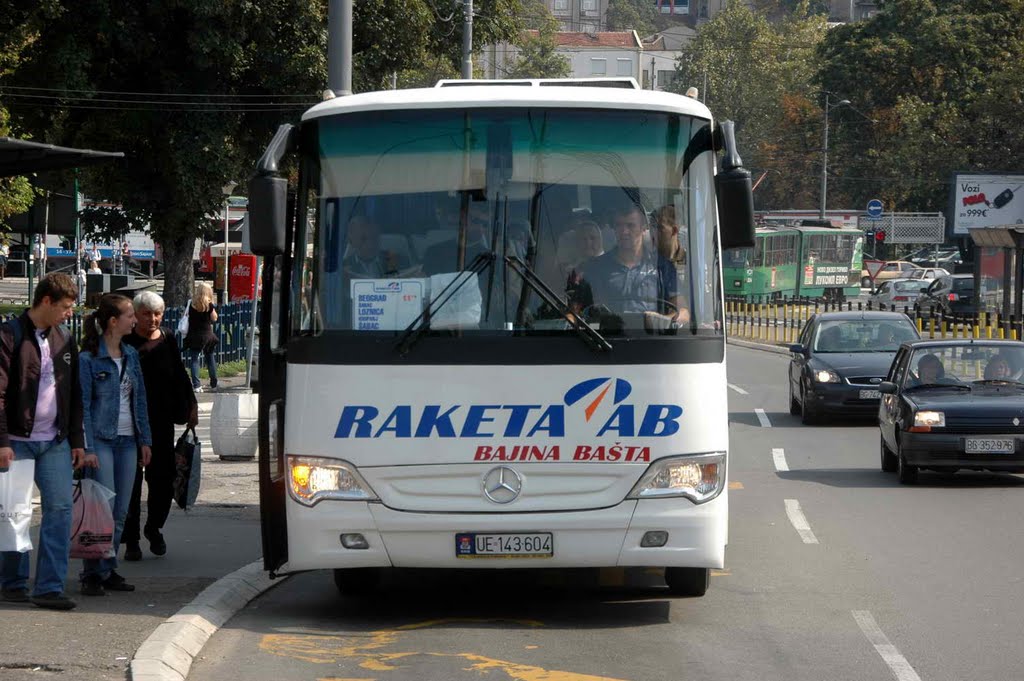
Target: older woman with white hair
<point>172,401</point>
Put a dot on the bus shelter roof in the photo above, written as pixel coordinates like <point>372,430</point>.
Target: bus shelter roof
<point>21,157</point>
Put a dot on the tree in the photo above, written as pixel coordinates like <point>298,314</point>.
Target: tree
<point>761,75</point>
<point>16,195</point>
<point>633,15</point>
<point>538,56</point>
<point>943,80</point>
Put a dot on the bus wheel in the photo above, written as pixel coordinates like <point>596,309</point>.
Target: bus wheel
<point>356,581</point>
<point>687,581</point>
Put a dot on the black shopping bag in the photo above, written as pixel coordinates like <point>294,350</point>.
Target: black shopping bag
<point>188,469</point>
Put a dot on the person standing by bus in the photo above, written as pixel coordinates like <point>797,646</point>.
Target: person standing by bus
<point>116,421</point>
<point>41,419</point>
<point>201,339</point>
<point>171,400</point>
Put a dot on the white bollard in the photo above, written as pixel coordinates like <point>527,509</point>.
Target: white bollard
<point>233,425</point>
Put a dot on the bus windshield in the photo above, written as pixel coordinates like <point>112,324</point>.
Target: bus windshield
<point>418,215</point>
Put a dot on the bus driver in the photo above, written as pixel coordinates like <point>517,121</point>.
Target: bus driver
<point>631,278</point>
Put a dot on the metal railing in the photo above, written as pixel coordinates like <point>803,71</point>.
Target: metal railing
<point>779,322</point>
<point>231,328</point>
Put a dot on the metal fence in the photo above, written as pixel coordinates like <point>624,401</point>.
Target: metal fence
<point>779,322</point>
<point>232,326</point>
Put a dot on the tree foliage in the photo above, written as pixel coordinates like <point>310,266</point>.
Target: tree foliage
<point>761,74</point>
<point>943,79</point>
<point>538,57</point>
<point>16,194</point>
<point>633,15</point>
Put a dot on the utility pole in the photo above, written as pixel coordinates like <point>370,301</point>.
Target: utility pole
<point>339,47</point>
<point>824,153</point>
<point>467,39</point>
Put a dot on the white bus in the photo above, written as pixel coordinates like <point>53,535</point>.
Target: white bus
<point>458,376</point>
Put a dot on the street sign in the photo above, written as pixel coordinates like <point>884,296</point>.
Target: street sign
<point>873,267</point>
<point>875,208</point>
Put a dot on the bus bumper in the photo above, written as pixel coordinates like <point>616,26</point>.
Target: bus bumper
<point>608,537</point>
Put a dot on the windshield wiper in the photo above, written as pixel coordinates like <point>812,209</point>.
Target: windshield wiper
<point>954,386</point>
<point>413,332</point>
<point>589,335</point>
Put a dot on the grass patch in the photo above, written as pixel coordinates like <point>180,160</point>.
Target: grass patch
<point>226,370</point>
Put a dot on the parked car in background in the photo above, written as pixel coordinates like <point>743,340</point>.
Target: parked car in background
<point>893,269</point>
<point>953,404</point>
<point>949,295</point>
<point>929,255</point>
<point>898,292</point>
<point>927,273</point>
<point>840,360</point>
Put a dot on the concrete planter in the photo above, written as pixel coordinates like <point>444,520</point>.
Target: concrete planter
<point>233,425</point>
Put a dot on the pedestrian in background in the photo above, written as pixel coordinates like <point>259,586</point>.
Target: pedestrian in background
<point>5,254</point>
<point>115,416</point>
<point>171,400</point>
<point>200,339</point>
<point>41,419</point>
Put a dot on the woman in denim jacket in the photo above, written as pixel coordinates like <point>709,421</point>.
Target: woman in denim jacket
<point>116,422</point>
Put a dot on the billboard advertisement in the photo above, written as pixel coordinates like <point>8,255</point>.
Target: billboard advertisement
<point>986,201</point>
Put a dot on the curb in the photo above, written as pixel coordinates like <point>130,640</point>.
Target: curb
<point>777,349</point>
<point>167,654</point>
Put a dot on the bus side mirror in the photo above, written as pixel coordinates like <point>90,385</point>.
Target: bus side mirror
<point>268,198</point>
<point>734,194</point>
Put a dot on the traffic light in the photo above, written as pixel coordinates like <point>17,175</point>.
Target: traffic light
<point>870,234</point>
<point>880,236</point>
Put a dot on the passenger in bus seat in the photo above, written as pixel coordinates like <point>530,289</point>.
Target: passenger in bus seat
<point>365,258</point>
<point>631,278</point>
<point>443,256</point>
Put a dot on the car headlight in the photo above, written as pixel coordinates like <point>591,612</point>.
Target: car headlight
<point>929,419</point>
<point>699,478</point>
<point>313,479</point>
<point>826,376</point>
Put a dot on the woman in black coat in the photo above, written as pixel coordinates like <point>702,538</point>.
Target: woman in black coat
<point>171,401</point>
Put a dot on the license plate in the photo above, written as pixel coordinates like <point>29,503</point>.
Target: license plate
<point>870,395</point>
<point>989,445</point>
<point>519,545</point>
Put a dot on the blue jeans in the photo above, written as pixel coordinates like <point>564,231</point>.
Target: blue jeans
<point>119,463</point>
<point>211,365</point>
<point>53,478</point>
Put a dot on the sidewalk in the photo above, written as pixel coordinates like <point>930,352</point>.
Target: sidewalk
<point>97,640</point>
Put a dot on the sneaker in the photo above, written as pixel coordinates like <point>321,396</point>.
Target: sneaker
<point>116,582</point>
<point>132,552</point>
<point>92,585</point>
<point>14,595</point>
<point>156,542</point>
<point>54,601</point>
<point>198,389</point>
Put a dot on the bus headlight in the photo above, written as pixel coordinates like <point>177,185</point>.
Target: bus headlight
<point>699,478</point>
<point>313,479</point>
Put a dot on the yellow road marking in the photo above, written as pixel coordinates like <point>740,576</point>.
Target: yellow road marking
<point>735,485</point>
<point>721,573</point>
<point>531,647</point>
<point>366,650</point>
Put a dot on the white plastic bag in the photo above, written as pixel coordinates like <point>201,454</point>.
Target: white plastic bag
<point>16,505</point>
<point>92,521</point>
<point>183,324</point>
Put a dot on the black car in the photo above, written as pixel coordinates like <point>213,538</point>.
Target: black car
<point>841,359</point>
<point>953,404</point>
<point>949,295</point>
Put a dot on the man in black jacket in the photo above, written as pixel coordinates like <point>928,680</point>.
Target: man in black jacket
<point>41,419</point>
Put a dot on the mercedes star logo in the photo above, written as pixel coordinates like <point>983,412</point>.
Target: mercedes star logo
<point>502,485</point>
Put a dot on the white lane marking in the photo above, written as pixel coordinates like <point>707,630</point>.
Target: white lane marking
<point>763,418</point>
<point>738,389</point>
<point>898,664</point>
<point>799,521</point>
<point>779,455</point>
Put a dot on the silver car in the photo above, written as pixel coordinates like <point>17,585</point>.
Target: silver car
<point>899,292</point>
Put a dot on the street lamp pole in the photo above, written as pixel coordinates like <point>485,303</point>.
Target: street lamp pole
<point>824,153</point>
<point>227,189</point>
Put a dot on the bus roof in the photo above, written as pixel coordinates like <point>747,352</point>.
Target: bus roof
<point>572,95</point>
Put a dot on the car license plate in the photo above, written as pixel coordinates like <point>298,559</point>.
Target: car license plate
<point>870,395</point>
<point>519,545</point>
<point>989,445</point>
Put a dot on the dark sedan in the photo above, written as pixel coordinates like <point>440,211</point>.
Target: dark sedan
<point>953,404</point>
<point>841,359</point>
